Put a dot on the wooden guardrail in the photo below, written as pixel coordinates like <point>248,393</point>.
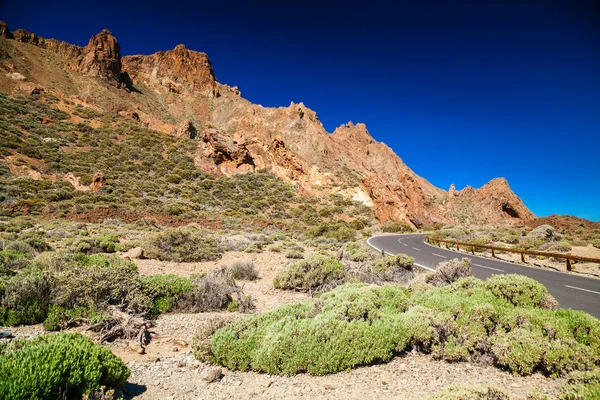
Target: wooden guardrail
<point>473,246</point>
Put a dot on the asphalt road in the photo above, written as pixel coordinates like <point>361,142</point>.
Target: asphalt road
<point>571,291</point>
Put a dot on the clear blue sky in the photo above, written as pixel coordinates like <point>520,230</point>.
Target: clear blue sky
<point>463,91</point>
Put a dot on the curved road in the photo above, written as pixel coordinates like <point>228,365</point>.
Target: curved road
<point>571,291</point>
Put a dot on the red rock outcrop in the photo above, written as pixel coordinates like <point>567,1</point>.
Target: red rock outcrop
<point>97,182</point>
<point>69,50</point>
<point>176,71</point>
<point>101,58</point>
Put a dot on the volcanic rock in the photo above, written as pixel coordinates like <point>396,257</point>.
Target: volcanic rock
<point>97,182</point>
<point>102,58</point>
<point>4,31</point>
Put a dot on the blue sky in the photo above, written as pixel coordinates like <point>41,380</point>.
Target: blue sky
<point>463,91</point>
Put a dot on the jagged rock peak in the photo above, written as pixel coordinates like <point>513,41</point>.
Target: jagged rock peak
<point>452,190</point>
<point>4,31</point>
<point>102,57</point>
<point>354,131</point>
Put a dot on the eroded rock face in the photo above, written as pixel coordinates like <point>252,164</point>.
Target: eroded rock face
<point>176,71</point>
<point>4,31</point>
<point>101,58</point>
<point>69,50</point>
<point>97,182</point>
<point>186,129</point>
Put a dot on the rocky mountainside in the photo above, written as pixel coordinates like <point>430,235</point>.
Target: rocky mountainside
<point>176,92</point>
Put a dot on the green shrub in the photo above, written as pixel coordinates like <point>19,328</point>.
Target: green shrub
<point>398,268</point>
<point>450,271</point>
<point>182,245</point>
<point>395,227</point>
<point>165,290</point>
<point>581,386</point>
<point>96,281</point>
<point>510,239</point>
<point>530,243</point>
<point>464,321</point>
<point>349,326</point>
<point>12,260</point>
<point>520,291</point>
<point>310,274</point>
<point>108,243</point>
<point>60,317</point>
<point>460,392</point>
<point>560,247</point>
<point>201,340</point>
<point>294,255</point>
<point>58,366</point>
<point>25,298</point>
<point>54,261</point>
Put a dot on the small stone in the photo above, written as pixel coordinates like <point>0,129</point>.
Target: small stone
<point>329,387</point>
<point>137,347</point>
<point>213,375</point>
<point>175,349</point>
<point>268,383</point>
<point>181,364</point>
<point>180,343</point>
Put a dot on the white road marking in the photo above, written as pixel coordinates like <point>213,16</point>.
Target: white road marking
<point>416,249</point>
<point>437,255</point>
<point>585,290</point>
<point>405,244</point>
<point>378,249</point>
<point>493,269</point>
<point>422,266</point>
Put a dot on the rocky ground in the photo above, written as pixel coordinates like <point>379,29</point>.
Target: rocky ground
<point>168,369</point>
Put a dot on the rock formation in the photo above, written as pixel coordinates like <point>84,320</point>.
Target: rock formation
<point>97,182</point>
<point>4,31</point>
<point>101,58</point>
<point>176,71</point>
<point>232,135</point>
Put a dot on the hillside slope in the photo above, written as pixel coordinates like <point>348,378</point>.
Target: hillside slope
<point>176,93</point>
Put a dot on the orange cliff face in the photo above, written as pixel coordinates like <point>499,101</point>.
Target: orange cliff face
<point>176,92</point>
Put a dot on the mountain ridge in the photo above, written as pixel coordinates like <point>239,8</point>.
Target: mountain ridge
<point>176,92</point>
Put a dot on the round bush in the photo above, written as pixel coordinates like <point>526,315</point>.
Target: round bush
<point>64,365</point>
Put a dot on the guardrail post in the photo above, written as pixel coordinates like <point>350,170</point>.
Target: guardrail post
<point>447,245</point>
<point>569,267</point>
<point>439,243</point>
<point>522,257</point>
<point>458,247</point>
<point>493,253</point>
<point>473,250</point>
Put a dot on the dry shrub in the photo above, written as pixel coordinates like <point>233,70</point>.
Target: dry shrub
<point>244,270</point>
<point>216,291</point>
<point>450,271</point>
<point>182,245</point>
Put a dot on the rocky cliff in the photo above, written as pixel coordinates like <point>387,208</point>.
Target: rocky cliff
<point>176,92</point>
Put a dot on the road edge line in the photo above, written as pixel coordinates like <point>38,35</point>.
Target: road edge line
<point>379,250</point>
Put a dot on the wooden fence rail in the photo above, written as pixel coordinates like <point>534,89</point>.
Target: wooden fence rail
<point>473,246</point>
